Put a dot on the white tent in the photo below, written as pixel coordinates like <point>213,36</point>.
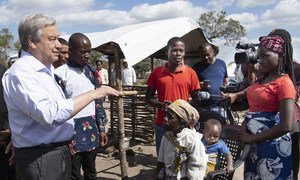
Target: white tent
<point>139,41</point>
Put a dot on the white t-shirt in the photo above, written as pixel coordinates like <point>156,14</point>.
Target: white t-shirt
<point>104,76</point>
<point>76,83</point>
<point>128,76</point>
<point>239,75</point>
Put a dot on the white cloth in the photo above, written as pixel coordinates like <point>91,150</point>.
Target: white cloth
<point>104,76</point>
<point>239,75</point>
<point>128,76</point>
<point>194,167</point>
<point>37,109</point>
<point>76,83</point>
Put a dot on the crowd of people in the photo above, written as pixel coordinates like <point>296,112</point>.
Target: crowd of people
<point>53,120</point>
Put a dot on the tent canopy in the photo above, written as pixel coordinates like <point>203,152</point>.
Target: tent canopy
<point>139,41</point>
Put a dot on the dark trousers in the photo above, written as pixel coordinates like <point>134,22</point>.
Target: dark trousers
<point>43,163</point>
<point>86,160</point>
<point>7,172</point>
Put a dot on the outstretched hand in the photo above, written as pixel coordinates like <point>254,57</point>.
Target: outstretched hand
<point>106,90</point>
<point>231,97</point>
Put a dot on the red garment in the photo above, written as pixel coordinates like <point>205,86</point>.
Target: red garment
<point>99,77</point>
<point>266,97</point>
<point>172,86</point>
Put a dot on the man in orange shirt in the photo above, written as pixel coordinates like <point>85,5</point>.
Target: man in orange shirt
<point>172,81</point>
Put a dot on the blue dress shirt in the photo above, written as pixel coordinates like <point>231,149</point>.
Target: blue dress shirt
<point>38,111</point>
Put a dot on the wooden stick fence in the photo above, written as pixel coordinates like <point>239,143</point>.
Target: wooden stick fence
<point>138,115</point>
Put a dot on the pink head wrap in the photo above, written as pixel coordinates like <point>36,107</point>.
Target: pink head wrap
<point>273,43</point>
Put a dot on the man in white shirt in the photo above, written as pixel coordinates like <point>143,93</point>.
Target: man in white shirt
<point>102,73</point>
<point>88,126</point>
<point>40,116</point>
<point>128,74</point>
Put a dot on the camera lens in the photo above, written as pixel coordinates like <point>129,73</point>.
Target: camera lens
<point>241,57</point>
<point>245,57</point>
<point>247,53</point>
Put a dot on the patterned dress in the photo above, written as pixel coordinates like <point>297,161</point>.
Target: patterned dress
<point>270,159</point>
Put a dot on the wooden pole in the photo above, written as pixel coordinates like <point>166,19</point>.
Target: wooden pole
<point>121,128</point>
<point>152,64</point>
<point>130,93</point>
<point>133,116</point>
<point>111,83</point>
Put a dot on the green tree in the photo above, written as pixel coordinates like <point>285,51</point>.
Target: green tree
<point>144,66</point>
<point>6,39</point>
<point>17,44</point>
<point>217,25</point>
<point>143,69</point>
<point>96,55</point>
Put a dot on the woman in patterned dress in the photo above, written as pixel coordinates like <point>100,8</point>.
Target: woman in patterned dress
<point>269,120</point>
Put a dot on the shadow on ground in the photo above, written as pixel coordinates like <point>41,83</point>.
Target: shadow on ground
<point>144,174</point>
<point>141,159</point>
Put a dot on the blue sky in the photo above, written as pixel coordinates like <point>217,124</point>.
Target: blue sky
<point>259,17</point>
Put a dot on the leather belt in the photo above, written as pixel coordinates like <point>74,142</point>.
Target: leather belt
<point>51,145</point>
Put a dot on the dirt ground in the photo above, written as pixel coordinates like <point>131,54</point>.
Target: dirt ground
<point>141,164</point>
<point>141,160</point>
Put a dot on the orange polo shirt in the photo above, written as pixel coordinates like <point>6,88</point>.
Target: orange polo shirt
<point>266,97</point>
<point>172,86</point>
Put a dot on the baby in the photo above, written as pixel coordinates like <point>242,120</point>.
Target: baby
<point>215,146</point>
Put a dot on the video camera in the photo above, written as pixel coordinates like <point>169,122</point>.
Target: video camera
<point>247,53</point>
